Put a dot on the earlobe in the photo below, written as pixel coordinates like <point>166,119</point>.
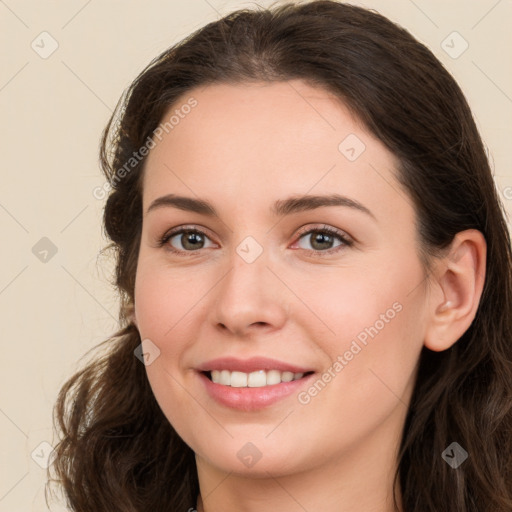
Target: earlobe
<point>457,287</point>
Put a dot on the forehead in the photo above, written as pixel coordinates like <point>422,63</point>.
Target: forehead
<point>258,142</point>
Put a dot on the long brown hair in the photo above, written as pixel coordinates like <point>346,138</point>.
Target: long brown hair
<point>118,452</point>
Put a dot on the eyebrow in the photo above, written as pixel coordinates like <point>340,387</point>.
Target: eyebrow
<point>280,208</point>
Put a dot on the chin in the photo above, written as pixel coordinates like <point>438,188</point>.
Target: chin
<point>256,459</point>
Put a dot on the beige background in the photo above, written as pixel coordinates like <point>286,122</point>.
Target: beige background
<point>52,113</point>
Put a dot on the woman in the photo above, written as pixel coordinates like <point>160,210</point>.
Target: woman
<point>315,274</point>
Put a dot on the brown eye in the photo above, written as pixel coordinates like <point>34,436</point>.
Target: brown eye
<point>184,240</point>
<point>190,240</point>
<point>324,240</point>
<point>320,240</point>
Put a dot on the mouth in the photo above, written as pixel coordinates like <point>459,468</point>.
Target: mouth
<point>246,391</point>
<point>255,379</point>
<point>252,384</point>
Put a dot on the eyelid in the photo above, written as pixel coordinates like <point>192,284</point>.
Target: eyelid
<point>325,227</point>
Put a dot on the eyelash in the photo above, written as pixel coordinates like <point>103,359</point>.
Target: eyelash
<point>346,242</point>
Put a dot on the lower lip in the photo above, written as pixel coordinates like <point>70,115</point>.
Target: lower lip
<point>252,399</point>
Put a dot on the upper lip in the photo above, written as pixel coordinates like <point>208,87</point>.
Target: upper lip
<point>250,365</point>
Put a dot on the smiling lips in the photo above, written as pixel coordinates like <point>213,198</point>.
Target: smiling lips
<point>252,383</point>
<point>255,379</point>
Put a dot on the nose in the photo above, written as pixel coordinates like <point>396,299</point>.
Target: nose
<point>250,299</point>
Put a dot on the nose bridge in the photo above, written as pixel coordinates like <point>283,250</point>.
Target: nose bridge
<point>250,293</point>
<point>249,275</point>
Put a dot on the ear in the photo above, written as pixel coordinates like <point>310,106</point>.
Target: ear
<point>456,287</point>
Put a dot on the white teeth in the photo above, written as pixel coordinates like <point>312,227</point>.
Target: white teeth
<point>238,380</point>
<point>287,377</point>
<point>255,379</point>
<point>273,377</point>
<point>225,377</point>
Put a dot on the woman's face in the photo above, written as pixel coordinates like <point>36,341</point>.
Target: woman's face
<point>260,278</point>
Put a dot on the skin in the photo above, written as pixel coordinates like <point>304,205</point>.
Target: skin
<point>242,148</point>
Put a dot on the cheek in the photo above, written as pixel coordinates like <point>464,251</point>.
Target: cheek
<point>372,323</point>
<point>164,299</point>
<point>373,360</point>
<point>161,309</point>
<point>346,304</point>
